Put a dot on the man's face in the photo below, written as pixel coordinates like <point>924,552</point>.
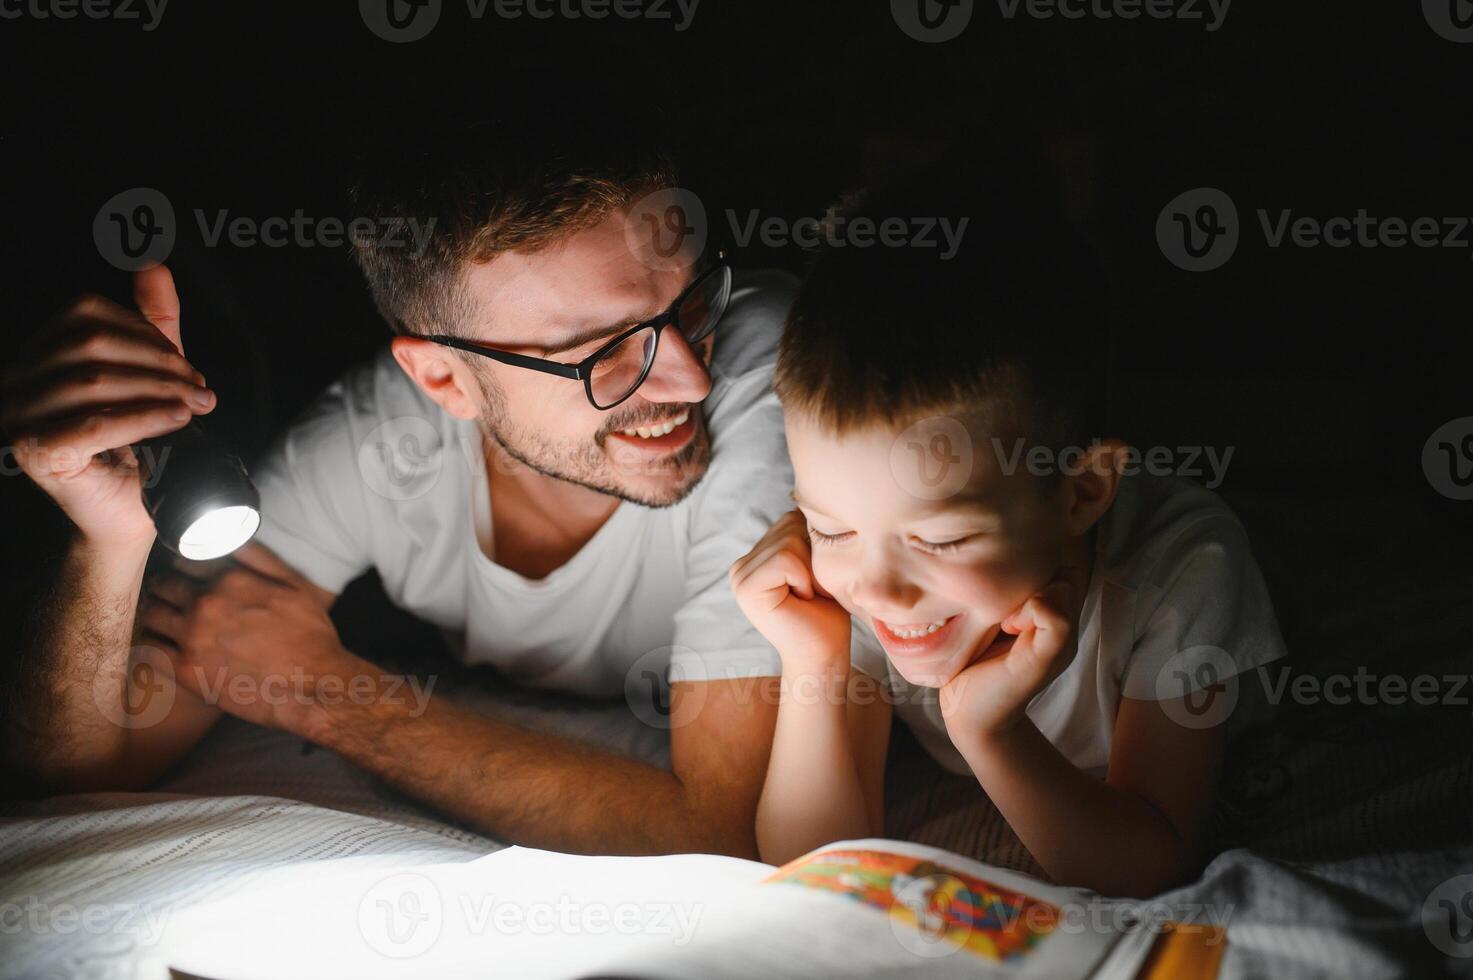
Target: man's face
<point>903,563</point>
<point>563,303</point>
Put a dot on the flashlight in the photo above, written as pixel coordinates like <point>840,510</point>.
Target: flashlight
<point>198,494</point>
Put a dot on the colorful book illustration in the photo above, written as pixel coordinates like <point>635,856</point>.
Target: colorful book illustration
<point>943,905</point>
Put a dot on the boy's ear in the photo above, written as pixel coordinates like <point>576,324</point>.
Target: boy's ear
<point>438,373</point>
<point>1090,488</point>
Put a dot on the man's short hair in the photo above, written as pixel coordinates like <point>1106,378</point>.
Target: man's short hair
<point>1011,328</point>
<point>520,181</point>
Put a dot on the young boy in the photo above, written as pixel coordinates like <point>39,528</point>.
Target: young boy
<point>1053,621</point>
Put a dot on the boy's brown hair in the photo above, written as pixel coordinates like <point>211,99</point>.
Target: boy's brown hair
<point>1011,328</point>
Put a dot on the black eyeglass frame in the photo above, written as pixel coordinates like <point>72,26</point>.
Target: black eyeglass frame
<point>583,370</point>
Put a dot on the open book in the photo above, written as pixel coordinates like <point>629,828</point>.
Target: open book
<point>869,907</point>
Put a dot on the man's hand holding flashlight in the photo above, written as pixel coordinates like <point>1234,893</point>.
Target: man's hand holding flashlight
<point>93,382</point>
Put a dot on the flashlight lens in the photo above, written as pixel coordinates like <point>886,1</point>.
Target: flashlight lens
<point>219,532</point>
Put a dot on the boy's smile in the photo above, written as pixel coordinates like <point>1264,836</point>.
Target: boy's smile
<point>933,578</point>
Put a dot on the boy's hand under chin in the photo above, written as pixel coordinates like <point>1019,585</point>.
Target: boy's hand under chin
<point>988,697</point>
<point>776,590</point>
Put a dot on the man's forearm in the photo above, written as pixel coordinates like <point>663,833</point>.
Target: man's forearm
<point>78,646</point>
<point>527,787</point>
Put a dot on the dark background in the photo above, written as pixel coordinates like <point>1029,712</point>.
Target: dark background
<point>1326,369</point>
<point>1335,362</point>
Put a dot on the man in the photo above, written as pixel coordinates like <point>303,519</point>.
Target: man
<point>568,530</point>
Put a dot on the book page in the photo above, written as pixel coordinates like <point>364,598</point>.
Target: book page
<point>879,908</point>
<point>518,913</point>
<point>887,908</point>
<point>99,885</point>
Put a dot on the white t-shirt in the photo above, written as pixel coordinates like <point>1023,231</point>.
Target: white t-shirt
<point>1175,603</point>
<point>376,475</point>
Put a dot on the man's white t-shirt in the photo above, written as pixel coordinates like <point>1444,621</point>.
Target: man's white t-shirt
<point>376,475</point>
<point>1175,603</point>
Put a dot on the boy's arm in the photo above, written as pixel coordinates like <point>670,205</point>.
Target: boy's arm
<point>825,780</point>
<point>825,777</point>
<point>1139,832</point>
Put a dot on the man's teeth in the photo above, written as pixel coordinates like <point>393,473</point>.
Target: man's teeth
<point>653,431</point>
<point>912,632</point>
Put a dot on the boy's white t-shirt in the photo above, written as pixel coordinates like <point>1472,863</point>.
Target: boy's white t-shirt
<point>1175,603</point>
<point>376,475</point>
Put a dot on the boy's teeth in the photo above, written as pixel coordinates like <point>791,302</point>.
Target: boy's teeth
<point>664,428</point>
<point>912,632</point>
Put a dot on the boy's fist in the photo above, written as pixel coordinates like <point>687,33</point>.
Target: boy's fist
<point>776,590</point>
<point>991,694</point>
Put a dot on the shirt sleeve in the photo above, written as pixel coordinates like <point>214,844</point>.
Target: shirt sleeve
<point>1202,616</point>
<point>313,512</point>
<point>745,490</point>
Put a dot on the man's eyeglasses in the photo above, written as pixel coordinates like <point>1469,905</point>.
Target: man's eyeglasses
<point>617,369</point>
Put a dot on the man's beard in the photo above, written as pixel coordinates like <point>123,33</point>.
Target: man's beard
<point>587,465</point>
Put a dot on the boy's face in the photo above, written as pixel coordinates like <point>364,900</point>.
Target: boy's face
<point>933,578</point>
